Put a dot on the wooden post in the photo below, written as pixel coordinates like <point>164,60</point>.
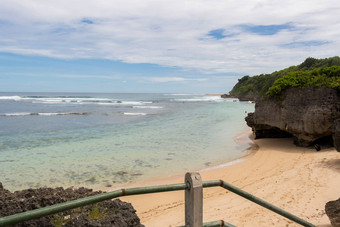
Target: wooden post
<point>193,200</point>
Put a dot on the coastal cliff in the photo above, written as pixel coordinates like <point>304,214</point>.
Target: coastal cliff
<point>308,114</point>
<point>299,101</point>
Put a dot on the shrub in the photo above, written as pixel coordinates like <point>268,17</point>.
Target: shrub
<point>322,76</point>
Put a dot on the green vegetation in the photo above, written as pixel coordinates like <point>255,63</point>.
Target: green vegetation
<point>59,220</point>
<point>95,213</point>
<point>323,76</point>
<point>321,71</point>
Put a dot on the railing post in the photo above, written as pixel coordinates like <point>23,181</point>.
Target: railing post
<point>193,200</point>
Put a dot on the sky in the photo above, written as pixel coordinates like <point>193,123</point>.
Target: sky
<point>157,46</point>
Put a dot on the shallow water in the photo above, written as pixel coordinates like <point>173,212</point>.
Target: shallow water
<point>102,140</point>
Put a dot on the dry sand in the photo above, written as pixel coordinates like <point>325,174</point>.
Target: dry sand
<point>298,180</point>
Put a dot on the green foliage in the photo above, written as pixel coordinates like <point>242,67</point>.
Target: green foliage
<point>259,85</point>
<point>308,63</point>
<point>95,213</point>
<point>323,76</point>
<point>313,63</point>
<point>98,212</point>
<point>59,220</point>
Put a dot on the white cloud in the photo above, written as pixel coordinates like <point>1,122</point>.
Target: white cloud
<point>172,33</point>
<point>106,77</point>
<point>172,79</point>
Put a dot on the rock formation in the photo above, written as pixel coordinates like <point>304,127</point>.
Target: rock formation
<point>113,213</point>
<point>224,96</point>
<point>333,212</point>
<point>247,97</point>
<point>309,114</point>
<point>251,96</point>
<point>336,134</point>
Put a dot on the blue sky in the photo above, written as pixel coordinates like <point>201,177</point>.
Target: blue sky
<point>158,46</point>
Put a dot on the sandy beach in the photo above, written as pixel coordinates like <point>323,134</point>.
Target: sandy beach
<point>298,180</point>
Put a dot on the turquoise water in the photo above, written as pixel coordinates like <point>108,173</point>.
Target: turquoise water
<point>103,140</point>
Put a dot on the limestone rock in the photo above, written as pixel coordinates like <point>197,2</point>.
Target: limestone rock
<point>332,209</point>
<point>336,134</point>
<point>308,114</point>
<point>224,96</point>
<point>108,213</point>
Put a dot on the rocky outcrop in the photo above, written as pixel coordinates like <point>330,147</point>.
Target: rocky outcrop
<point>308,114</point>
<point>250,96</point>
<point>225,96</point>
<point>107,213</point>
<point>247,97</point>
<point>332,209</point>
<point>242,97</point>
<point>336,134</point>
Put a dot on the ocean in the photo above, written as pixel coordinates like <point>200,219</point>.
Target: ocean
<point>104,140</point>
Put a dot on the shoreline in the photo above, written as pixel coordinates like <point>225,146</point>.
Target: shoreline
<point>298,180</point>
<point>245,137</point>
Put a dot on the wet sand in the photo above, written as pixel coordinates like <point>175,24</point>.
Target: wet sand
<point>298,180</point>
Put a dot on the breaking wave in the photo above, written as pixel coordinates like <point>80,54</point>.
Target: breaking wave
<point>38,114</point>
<point>72,100</point>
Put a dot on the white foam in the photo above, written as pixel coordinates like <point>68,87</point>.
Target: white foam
<point>16,98</point>
<point>37,114</point>
<point>103,103</point>
<point>15,114</point>
<point>231,163</point>
<point>135,114</point>
<point>182,94</point>
<point>231,100</point>
<point>134,102</point>
<point>121,103</point>
<point>71,100</point>
<point>53,114</point>
<point>74,100</point>
<point>148,107</point>
<point>209,98</point>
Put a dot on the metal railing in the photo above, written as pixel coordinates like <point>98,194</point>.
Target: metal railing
<point>193,202</point>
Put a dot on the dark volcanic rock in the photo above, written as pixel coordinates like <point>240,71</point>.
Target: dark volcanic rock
<point>333,212</point>
<point>247,97</point>
<point>122,217</point>
<point>106,213</point>
<point>336,134</point>
<point>226,96</point>
<point>308,114</point>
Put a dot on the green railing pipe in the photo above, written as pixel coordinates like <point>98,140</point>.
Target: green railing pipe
<point>256,200</point>
<point>56,208</point>
<point>211,183</point>
<point>265,204</point>
<point>33,214</point>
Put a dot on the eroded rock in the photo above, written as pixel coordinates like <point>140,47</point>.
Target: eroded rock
<point>332,209</point>
<point>308,114</point>
<point>106,213</point>
<point>336,134</point>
